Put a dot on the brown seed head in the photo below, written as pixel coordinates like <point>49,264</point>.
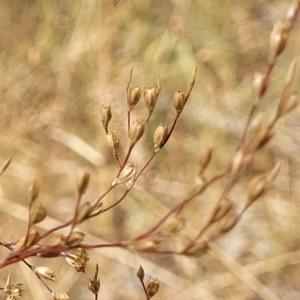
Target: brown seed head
<point>45,272</point>
<point>94,283</point>
<point>221,210</point>
<point>279,37</point>
<point>140,273</point>
<point>150,96</point>
<point>257,187</point>
<point>160,137</point>
<point>134,95</point>
<point>179,100</point>
<point>84,182</point>
<point>173,225</point>
<point>60,296</point>
<point>128,173</point>
<point>259,85</point>
<point>287,103</point>
<point>75,238</point>
<point>105,115</point>
<point>227,223</point>
<point>33,192</point>
<point>197,249</point>
<point>152,287</point>
<point>38,214</point>
<point>84,211</point>
<point>205,157</point>
<point>136,132</point>
<point>292,11</point>
<point>27,242</point>
<point>149,244</point>
<point>112,142</point>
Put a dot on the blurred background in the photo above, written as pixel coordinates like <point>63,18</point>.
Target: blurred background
<point>60,59</point>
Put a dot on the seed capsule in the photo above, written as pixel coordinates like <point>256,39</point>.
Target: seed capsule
<point>160,137</point>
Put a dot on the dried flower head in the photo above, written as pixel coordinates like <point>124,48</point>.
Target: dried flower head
<point>128,173</point>
<point>38,214</point>
<point>112,142</point>
<point>28,241</point>
<point>33,192</point>
<point>75,238</point>
<point>84,211</point>
<point>173,225</point>
<point>105,115</point>
<point>152,287</point>
<point>279,37</point>
<point>12,291</point>
<point>94,283</point>
<point>198,248</point>
<point>259,84</point>
<point>179,100</point>
<point>60,296</point>
<point>160,137</point>
<point>77,261</point>
<point>133,96</point>
<point>150,96</point>
<point>83,183</point>
<point>45,272</point>
<point>257,188</point>
<point>140,273</point>
<point>136,132</point>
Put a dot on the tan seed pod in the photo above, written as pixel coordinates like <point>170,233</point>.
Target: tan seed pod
<point>152,287</point>
<point>140,273</point>
<point>105,115</point>
<point>45,272</point>
<point>84,182</point>
<point>221,210</point>
<point>197,249</point>
<point>264,137</point>
<point>179,100</point>
<point>292,11</point>
<point>75,238</point>
<point>287,103</point>
<point>27,242</point>
<point>160,137</point>
<point>149,244</point>
<point>279,37</point>
<point>128,173</point>
<point>94,283</point>
<point>257,187</point>
<point>112,142</point>
<point>57,241</point>
<point>133,96</point>
<point>38,214</point>
<point>205,157</point>
<point>60,296</point>
<point>259,85</point>
<point>33,192</point>
<point>84,211</point>
<point>197,187</point>
<point>136,132</point>
<point>150,96</point>
<point>173,225</point>
<point>238,162</point>
<point>227,223</point>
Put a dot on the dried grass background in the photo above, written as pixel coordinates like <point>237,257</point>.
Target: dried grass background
<point>60,59</point>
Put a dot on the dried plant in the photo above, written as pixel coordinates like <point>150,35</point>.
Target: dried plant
<point>224,216</point>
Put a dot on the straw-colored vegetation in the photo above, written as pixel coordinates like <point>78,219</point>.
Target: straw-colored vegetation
<point>153,146</point>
